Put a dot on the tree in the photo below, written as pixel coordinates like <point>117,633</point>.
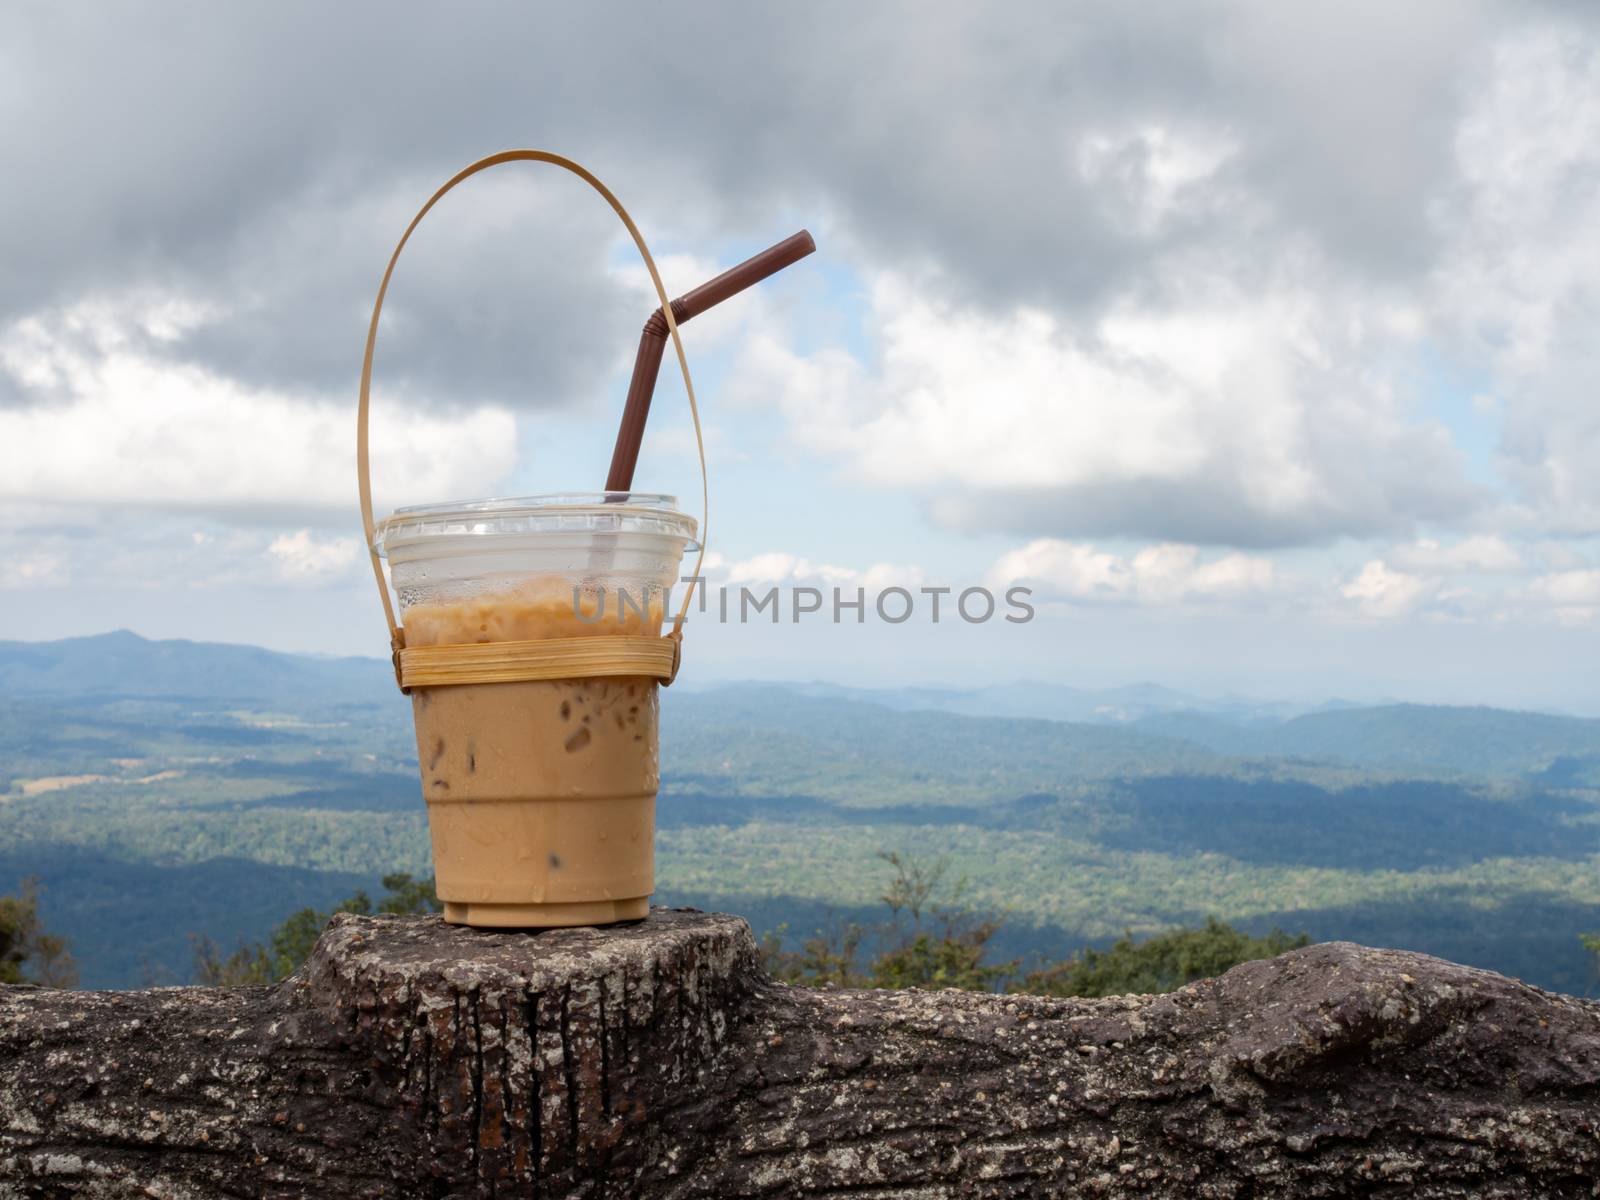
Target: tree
<point>932,939</point>
<point>27,953</point>
<point>290,943</point>
<point>828,956</point>
<point>929,961</point>
<point>945,943</point>
<point>1158,964</point>
<point>1591,943</point>
<point>248,965</point>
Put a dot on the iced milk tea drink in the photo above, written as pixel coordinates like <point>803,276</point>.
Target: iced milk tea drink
<point>541,795</point>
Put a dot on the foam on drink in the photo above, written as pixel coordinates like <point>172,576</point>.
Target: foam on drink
<point>542,609</point>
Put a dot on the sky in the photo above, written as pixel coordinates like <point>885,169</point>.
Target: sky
<point>1256,341</point>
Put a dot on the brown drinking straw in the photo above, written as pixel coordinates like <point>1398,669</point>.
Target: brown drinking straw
<point>653,343</point>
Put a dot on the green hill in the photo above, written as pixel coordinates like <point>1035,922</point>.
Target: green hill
<point>771,740</point>
<point>1434,738</point>
<point>164,789</point>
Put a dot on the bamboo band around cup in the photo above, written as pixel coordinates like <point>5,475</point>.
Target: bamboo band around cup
<point>516,659</point>
<point>552,658</point>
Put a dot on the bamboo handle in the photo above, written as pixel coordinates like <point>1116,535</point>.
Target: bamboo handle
<point>396,633</point>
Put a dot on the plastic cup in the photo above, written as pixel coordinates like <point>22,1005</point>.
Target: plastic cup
<point>541,795</point>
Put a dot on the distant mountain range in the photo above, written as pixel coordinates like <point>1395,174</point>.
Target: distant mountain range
<point>1469,741</point>
<point>125,664</point>
<point>159,789</point>
<point>1410,737</point>
<point>1057,702</point>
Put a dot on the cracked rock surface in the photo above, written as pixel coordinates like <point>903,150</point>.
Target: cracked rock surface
<point>413,1058</point>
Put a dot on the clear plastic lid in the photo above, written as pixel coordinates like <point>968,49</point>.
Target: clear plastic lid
<point>521,516</point>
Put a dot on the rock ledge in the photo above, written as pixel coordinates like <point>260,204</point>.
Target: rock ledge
<point>413,1058</point>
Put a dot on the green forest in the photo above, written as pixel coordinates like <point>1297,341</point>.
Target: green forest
<point>167,797</point>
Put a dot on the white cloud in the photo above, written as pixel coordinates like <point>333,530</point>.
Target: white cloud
<point>130,429</point>
<point>1571,597</point>
<point>1481,553</point>
<point>1569,588</point>
<point>1412,581</point>
<point>790,570</point>
<point>1217,416</point>
<point>1148,176</point>
<point>1072,570</point>
<point>882,576</point>
<point>1171,572</point>
<point>30,569</point>
<point>1519,281</point>
<point>304,558</point>
<point>1558,556</point>
<point>1183,298</point>
<point>1161,574</point>
<point>147,550</point>
<point>1382,592</point>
